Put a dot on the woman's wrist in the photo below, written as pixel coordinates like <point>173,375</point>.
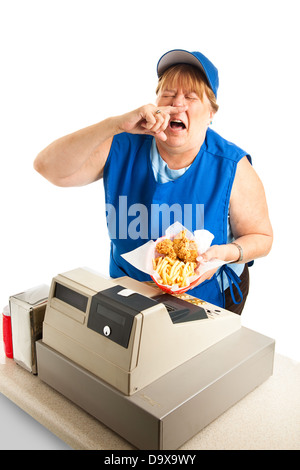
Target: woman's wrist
<point>113,125</point>
<point>238,253</point>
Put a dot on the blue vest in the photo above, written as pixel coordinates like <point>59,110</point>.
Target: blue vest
<point>139,209</point>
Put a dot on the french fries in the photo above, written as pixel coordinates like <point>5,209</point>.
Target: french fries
<point>172,271</point>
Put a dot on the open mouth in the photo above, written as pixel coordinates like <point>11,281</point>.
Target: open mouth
<point>177,124</point>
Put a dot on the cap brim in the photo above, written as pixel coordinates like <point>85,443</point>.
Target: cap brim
<point>177,56</point>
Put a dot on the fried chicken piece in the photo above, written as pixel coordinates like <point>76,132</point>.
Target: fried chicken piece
<point>185,249</point>
<point>181,245</point>
<point>193,252</point>
<point>165,247</point>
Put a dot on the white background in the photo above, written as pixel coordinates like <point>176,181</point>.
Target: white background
<point>66,64</point>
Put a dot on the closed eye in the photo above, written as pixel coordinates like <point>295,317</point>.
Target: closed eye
<point>192,97</point>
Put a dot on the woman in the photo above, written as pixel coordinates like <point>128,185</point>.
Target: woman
<point>157,160</point>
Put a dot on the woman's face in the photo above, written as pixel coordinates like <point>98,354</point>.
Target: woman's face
<point>185,131</point>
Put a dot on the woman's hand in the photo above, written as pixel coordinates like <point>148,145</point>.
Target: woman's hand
<point>149,120</point>
<point>227,253</point>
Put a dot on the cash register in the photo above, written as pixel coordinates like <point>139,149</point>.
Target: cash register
<point>154,367</point>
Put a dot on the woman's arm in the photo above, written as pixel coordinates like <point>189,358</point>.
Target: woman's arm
<point>79,158</point>
<point>249,215</point>
<point>249,219</point>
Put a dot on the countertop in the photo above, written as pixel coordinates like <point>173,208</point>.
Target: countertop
<point>267,418</point>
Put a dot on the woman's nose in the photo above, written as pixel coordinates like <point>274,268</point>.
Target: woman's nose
<point>179,100</point>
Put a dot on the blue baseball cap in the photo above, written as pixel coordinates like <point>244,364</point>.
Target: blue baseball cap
<point>179,56</point>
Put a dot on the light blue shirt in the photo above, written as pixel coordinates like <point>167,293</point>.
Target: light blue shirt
<point>164,174</point>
